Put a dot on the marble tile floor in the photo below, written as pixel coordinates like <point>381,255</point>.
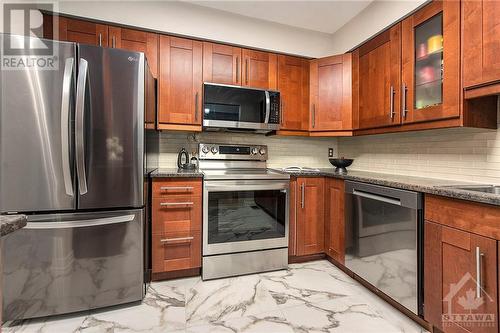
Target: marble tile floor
<point>309,297</point>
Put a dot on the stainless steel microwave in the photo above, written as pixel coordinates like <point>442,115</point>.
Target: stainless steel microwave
<point>228,107</point>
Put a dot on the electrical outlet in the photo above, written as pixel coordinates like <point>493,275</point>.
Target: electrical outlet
<point>330,152</point>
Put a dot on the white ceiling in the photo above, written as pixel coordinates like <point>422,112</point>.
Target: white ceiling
<point>325,16</point>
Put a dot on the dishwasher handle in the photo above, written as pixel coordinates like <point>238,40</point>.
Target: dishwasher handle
<point>377,197</point>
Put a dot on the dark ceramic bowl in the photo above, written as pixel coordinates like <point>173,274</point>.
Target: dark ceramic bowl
<point>341,164</point>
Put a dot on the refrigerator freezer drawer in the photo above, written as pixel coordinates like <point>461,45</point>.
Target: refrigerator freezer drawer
<point>72,262</point>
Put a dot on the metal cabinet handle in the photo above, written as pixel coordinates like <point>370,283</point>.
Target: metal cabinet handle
<point>404,108</point>
<point>188,203</point>
<point>166,188</point>
<point>113,41</point>
<point>100,39</point>
<point>391,102</point>
<point>302,195</point>
<point>179,239</point>
<point>479,282</point>
<point>65,123</point>
<point>196,107</point>
<point>237,70</point>
<point>313,115</point>
<point>246,71</point>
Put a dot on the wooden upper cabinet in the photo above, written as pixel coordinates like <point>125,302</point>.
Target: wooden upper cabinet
<point>293,84</point>
<point>431,63</point>
<point>221,64</point>
<point>481,42</point>
<point>259,69</point>
<point>379,80</point>
<point>452,260</point>
<point>180,83</point>
<point>331,93</point>
<point>139,41</point>
<point>79,31</point>
<point>334,219</point>
<point>310,236</point>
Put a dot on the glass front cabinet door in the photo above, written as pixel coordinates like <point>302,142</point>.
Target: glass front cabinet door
<point>431,63</point>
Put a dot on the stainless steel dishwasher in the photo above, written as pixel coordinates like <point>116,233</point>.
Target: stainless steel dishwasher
<point>384,240</point>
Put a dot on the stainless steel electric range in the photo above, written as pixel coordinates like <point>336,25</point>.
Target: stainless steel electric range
<point>245,211</point>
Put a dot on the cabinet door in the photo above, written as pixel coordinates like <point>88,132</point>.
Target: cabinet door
<point>460,280</point>
<point>310,216</point>
<point>334,219</point>
<point>481,44</point>
<point>293,84</point>
<point>431,63</point>
<point>180,81</point>
<point>331,93</point>
<point>379,79</point>
<point>138,41</point>
<point>78,31</point>
<point>221,64</point>
<point>259,69</point>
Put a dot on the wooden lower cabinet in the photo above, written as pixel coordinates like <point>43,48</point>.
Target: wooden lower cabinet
<point>460,267</point>
<point>334,219</point>
<point>310,205</point>
<point>176,229</point>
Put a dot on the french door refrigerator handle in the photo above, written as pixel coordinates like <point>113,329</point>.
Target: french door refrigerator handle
<point>80,223</point>
<point>376,197</point>
<point>80,120</point>
<point>65,123</point>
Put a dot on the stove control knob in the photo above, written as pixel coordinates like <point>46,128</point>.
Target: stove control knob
<point>205,149</point>
<point>262,151</point>
<point>254,151</point>
<point>214,150</point>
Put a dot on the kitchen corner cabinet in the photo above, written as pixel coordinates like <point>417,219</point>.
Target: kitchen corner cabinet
<point>334,219</point>
<point>331,93</point>
<point>176,225</point>
<point>137,41</point>
<point>309,216</point>
<point>431,63</point>
<point>481,43</point>
<point>180,84</point>
<point>259,69</point>
<point>221,64</point>
<point>293,84</point>
<point>460,264</point>
<point>378,71</point>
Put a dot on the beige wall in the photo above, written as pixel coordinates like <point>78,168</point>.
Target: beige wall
<point>191,20</point>
<point>373,19</point>
<point>283,151</point>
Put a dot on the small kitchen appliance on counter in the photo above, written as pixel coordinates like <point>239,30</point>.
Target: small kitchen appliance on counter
<point>245,211</point>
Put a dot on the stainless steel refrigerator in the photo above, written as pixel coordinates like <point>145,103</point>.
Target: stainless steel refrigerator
<point>72,159</point>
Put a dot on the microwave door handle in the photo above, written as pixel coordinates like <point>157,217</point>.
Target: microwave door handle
<point>80,120</point>
<point>268,107</point>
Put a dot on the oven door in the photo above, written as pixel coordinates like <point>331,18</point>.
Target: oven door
<point>244,215</point>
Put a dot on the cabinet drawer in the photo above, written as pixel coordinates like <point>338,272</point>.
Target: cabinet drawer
<point>174,251</point>
<point>174,187</point>
<point>176,214</point>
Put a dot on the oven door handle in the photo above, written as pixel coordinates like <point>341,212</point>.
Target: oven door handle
<point>246,187</point>
<point>268,107</point>
<point>372,196</point>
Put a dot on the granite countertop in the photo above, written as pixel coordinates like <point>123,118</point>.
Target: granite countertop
<point>417,184</point>
<point>11,223</point>
<point>173,172</point>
